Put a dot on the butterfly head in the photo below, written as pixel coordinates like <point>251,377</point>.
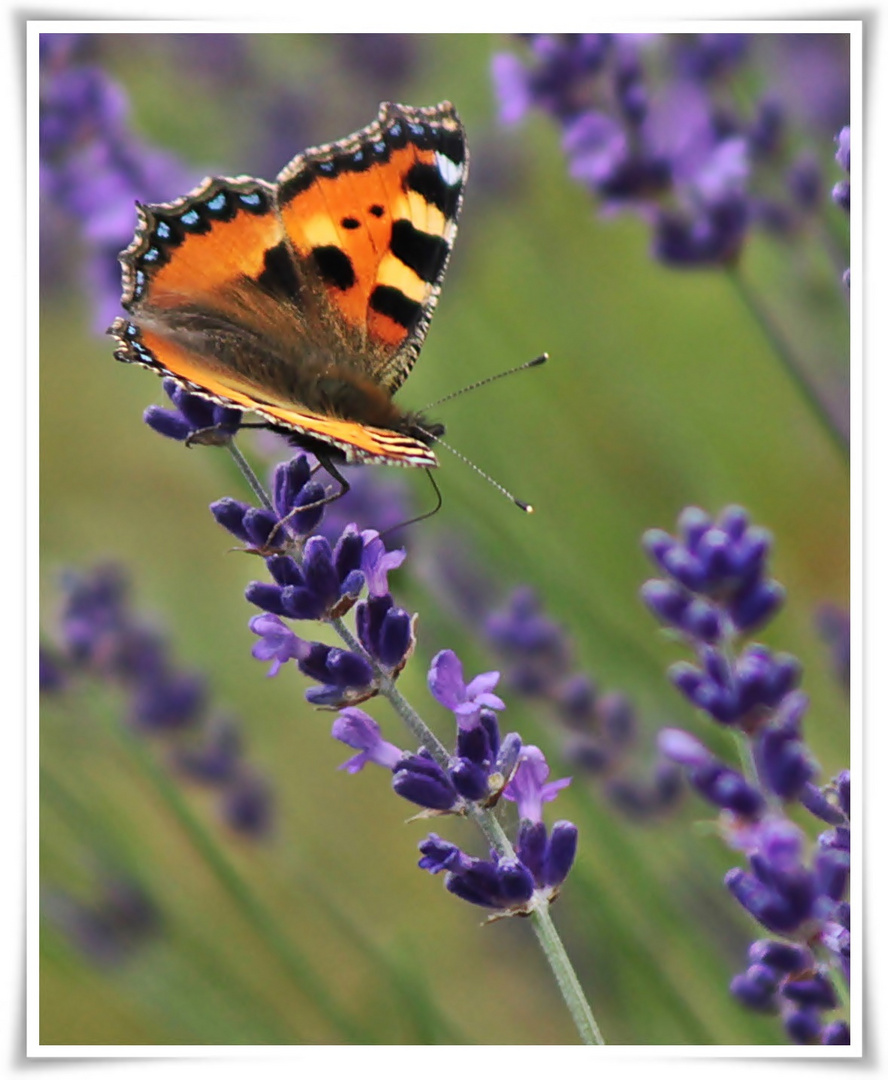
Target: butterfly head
<point>421,429</point>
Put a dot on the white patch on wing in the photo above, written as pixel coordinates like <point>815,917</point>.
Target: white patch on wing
<point>451,173</point>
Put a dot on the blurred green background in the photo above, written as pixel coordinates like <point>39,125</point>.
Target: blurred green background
<point>661,392</point>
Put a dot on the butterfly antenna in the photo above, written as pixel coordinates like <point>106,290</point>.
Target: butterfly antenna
<point>483,382</point>
<point>526,507</point>
<point>419,517</point>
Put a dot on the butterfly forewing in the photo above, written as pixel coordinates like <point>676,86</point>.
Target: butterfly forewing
<point>375,216</point>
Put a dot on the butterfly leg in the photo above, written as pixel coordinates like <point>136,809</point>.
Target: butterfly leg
<point>344,488</point>
<point>215,435</point>
<point>420,517</point>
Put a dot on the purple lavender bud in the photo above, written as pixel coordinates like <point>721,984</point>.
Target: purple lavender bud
<point>52,674</point>
<point>516,883</point>
<point>760,902</point>
<point>686,568</point>
<point>473,744</point>
<point>713,238</point>
<point>169,704</point>
<point>336,667</point>
<point>701,620</point>
<point>348,551</point>
<point>261,529</point>
<point>804,181</point>
<point>421,780</point>
<point>596,146</point>
<point>831,872</point>
<point>285,570</point>
<point>531,848</point>
<point>683,748</point>
<point>834,624</point>
<point>735,521</point>
<point>841,195</point>
<point>756,988</point>
<point>480,884</point>
<point>268,597</point>
<point>802,1026</point>
<point>560,852</point>
<point>843,151</point>
<point>784,761</point>
<point>589,753</point>
<point>384,630</point>
<point>618,719</point>
<point>395,638</point>
<point>727,789</point>
<point>288,480</point>
<point>441,855</point>
<point>756,604</point>
<point>508,754</point>
<point>702,692</point>
<point>836,1034</point>
<point>511,87</point>
<point>763,679</point>
<point>469,779</point>
<point>215,759</point>
<point>783,956</point>
<point>166,422</point>
<point>667,602</point>
<point>247,806</point>
<point>318,570</point>
<point>693,524</point>
<point>230,515</point>
<point>668,785</point>
<point>192,416</point>
<point>843,788</point>
<point>815,800</point>
<point>838,839</point>
<point>656,543</point>
<point>767,128</point>
<point>575,701</point>
<point>816,992</point>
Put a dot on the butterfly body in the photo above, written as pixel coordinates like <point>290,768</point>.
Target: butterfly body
<point>307,300</point>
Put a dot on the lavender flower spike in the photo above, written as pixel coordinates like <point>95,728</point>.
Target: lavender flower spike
<point>464,700</point>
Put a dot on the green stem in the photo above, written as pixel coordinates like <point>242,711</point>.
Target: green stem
<point>790,363</point>
<point>566,977</point>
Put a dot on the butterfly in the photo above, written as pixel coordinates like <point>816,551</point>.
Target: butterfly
<point>306,300</point>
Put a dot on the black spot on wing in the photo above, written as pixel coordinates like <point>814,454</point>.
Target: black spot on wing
<point>424,253</point>
<point>279,275</point>
<point>334,266</point>
<point>453,145</point>
<point>425,180</point>
<point>388,300</point>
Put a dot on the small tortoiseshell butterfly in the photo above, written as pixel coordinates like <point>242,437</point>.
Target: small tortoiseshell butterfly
<point>307,300</point>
